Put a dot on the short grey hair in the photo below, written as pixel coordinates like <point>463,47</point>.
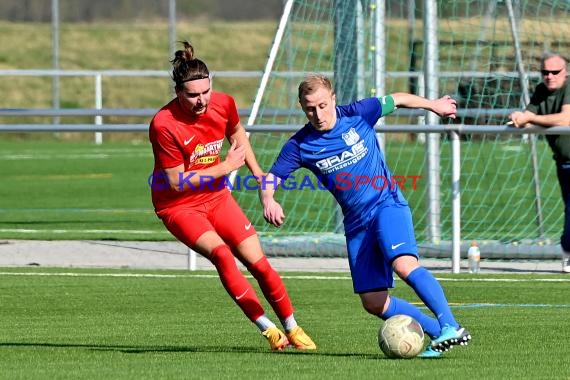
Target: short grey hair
<point>550,54</point>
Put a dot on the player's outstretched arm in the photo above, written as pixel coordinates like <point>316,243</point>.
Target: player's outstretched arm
<point>272,210</point>
<point>445,106</point>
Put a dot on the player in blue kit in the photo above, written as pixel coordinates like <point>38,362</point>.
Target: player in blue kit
<point>339,146</point>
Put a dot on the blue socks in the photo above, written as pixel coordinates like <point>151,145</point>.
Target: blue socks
<point>400,306</point>
<point>431,293</point>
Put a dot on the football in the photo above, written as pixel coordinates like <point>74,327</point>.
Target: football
<point>401,336</point>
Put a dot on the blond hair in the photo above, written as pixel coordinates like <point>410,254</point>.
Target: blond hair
<point>312,83</point>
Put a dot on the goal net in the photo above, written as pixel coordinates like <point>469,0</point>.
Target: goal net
<point>489,54</point>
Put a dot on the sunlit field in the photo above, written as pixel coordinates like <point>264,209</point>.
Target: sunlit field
<point>93,324</point>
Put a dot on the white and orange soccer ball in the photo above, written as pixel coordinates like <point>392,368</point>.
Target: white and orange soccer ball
<point>401,336</point>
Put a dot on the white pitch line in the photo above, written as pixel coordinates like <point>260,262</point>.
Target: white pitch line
<point>505,279</point>
<point>152,275</point>
<point>71,156</point>
<point>71,274</point>
<point>215,276</point>
<point>33,231</point>
<point>291,277</point>
<point>79,210</point>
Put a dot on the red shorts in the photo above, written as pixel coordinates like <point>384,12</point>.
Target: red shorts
<point>222,215</point>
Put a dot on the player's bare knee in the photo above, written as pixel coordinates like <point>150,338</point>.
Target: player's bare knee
<point>374,309</point>
<point>404,265</point>
<point>375,302</point>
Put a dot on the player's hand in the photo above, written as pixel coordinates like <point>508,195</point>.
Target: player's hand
<point>446,106</point>
<point>273,212</point>
<point>235,158</point>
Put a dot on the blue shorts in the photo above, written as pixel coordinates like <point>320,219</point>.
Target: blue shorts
<point>372,248</point>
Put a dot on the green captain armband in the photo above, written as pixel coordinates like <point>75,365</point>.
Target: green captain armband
<point>388,105</point>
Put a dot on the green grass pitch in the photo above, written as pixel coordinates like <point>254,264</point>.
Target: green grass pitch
<point>95,324</point>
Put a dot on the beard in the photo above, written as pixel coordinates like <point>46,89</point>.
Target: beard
<point>200,109</point>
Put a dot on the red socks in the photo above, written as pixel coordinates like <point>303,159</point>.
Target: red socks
<point>272,287</point>
<point>235,282</point>
<point>241,290</point>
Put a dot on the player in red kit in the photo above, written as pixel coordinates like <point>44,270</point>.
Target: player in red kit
<point>190,198</point>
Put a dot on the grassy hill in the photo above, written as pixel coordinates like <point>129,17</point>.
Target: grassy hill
<point>139,46</point>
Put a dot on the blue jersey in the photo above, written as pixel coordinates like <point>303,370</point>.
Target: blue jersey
<point>347,160</point>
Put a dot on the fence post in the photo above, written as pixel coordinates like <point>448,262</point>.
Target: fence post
<point>431,71</point>
<point>455,201</point>
<point>191,263</point>
<point>98,105</point>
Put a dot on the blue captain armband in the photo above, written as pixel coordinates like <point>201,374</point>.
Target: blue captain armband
<point>388,105</point>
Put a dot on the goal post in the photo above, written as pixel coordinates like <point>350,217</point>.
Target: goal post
<point>478,62</point>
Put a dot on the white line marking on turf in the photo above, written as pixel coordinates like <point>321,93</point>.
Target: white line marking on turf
<point>505,279</point>
<point>215,276</point>
<point>62,177</point>
<point>71,274</point>
<point>512,148</point>
<point>153,275</point>
<point>31,231</point>
<point>74,156</point>
<point>289,277</point>
<point>79,210</point>
<point>476,305</point>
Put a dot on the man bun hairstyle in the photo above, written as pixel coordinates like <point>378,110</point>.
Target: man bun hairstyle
<point>186,67</point>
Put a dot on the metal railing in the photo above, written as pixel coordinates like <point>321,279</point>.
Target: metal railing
<point>454,130</point>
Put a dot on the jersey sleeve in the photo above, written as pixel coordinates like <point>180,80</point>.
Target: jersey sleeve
<point>166,152</point>
<point>289,159</point>
<point>369,109</point>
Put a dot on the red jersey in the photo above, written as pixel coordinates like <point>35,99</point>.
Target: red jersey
<point>193,140</point>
